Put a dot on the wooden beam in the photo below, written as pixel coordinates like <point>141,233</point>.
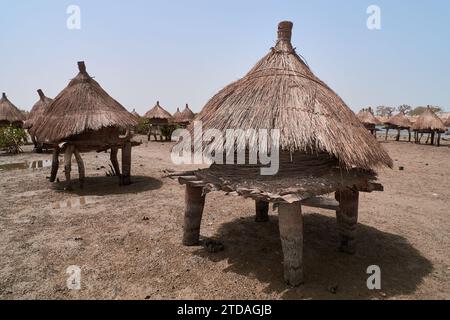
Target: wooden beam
<point>321,202</point>
<point>194,204</point>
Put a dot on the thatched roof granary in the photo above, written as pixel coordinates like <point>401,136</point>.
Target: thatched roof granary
<point>158,114</point>
<point>185,117</point>
<point>37,110</point>
<point>9,113</point>
<point>429,122</point>
<point>84,118</point>
<point>134,113</point>
<point>447,122</point>
<point>324,148</point>
<point>400,120</point>
<point>367,117</point>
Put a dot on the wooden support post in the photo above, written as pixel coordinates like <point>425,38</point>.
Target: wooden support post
<point>291,233</point>
<point>126,163</point>
<point>262,211</point>
<point>439,139</point>
<point>81,170</point>
<point>398,135</point>
<point>68,165</point>
<point>55,164</point>
<point>115,162</point>
<point>194,204</point>
<point>347,219</point>
<point>432,138</point>
<point>409,134</point>
<point>387,132</point>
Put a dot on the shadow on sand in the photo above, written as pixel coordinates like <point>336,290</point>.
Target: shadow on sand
<point>254,250</point>
<point>103,185</point>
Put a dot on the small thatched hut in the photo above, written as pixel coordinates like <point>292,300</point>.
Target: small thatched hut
<point>429,122</point>
<point>9,113</point>
<point>184,118</point>
<point>158,119</point>
<point>82,118</point>
<point>399,122</point>
<point>36,114</point>
<point>368,119</point>
<point>323,148</point>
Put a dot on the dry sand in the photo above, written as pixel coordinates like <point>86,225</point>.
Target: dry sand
<point>127,240</point>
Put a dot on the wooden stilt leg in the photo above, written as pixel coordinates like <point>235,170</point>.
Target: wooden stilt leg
<point>347,219</point>
<point>68,165</point>
<point>398,135</point>
<point>81,170</point>
<point>194,204</point>
<point>409,134</point>
<point>432,138</point>
<point>262,211</point>
<point>387,132</point>
<point>291,232</point>
<point>115,162</point>
<point>439,139</point>
<point>126,164</point>
<point>55,164</point>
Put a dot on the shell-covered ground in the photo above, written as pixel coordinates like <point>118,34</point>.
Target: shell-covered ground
<point>127,240</point>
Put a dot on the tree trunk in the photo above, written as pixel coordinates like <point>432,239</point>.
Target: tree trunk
<point>194,204</point>
<point>291,233</point>
<point>81,170</point>
<point>126,164</point>
<point>55,164</point>
<point>262,211</point>
<point>347,218</point>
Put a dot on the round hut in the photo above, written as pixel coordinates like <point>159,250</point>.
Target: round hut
<point>428,122</point>
<point>317,142</point>
<point>399,122</point>
<point>184,118</point>
<point>9,113</point>
<point>158,119</point>
<point>368,119</point>
<point>83,118</point>
<point>35,116</point>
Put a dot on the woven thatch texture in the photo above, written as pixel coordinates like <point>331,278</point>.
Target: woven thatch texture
<point>447,122</point>
<point>82,106</point>
<point>158,112</point>
<point>38,110</point>
<point>9,113</point>
<point>281,92</point>
<point>134,113</point>
<point>400,120</point>
<point>367,118</point>
<point>429,121</point>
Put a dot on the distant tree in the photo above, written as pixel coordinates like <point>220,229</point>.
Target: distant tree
<point>419,110</point>
<point>384,111</point>
<point>404,108</point>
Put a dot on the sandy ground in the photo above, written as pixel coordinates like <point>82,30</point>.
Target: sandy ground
<point>127,240</point>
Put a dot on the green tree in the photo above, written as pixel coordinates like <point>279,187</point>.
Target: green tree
<point>12,139</point>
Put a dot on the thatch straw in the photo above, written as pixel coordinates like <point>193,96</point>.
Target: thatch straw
<point>447,122</point>
<point>82,106</point>
<point>184,117</point>
<point>367,117</point>
<point>134,113</point>
<point>38,110</point>
<point>429,121</point>
<point>177,116</point>
<point>9,113</point>
<point>400,120</point>
<point>158,113</point>
<point>281,92</point>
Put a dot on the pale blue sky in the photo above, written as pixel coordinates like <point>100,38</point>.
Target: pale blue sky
<point>185,51</point>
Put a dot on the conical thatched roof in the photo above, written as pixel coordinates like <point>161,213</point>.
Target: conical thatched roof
<point>447,122</point>
<point>82,106</point>
<point>177,116</point>
<point>38,110</point>
<point>428,120</point>
<point>399,120</point>
<point>134,113</point>
<point>183,117</point>
<point>9,113</point>
<point>367,117</point>
<point>281,92</point>
<point>158,112</point>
